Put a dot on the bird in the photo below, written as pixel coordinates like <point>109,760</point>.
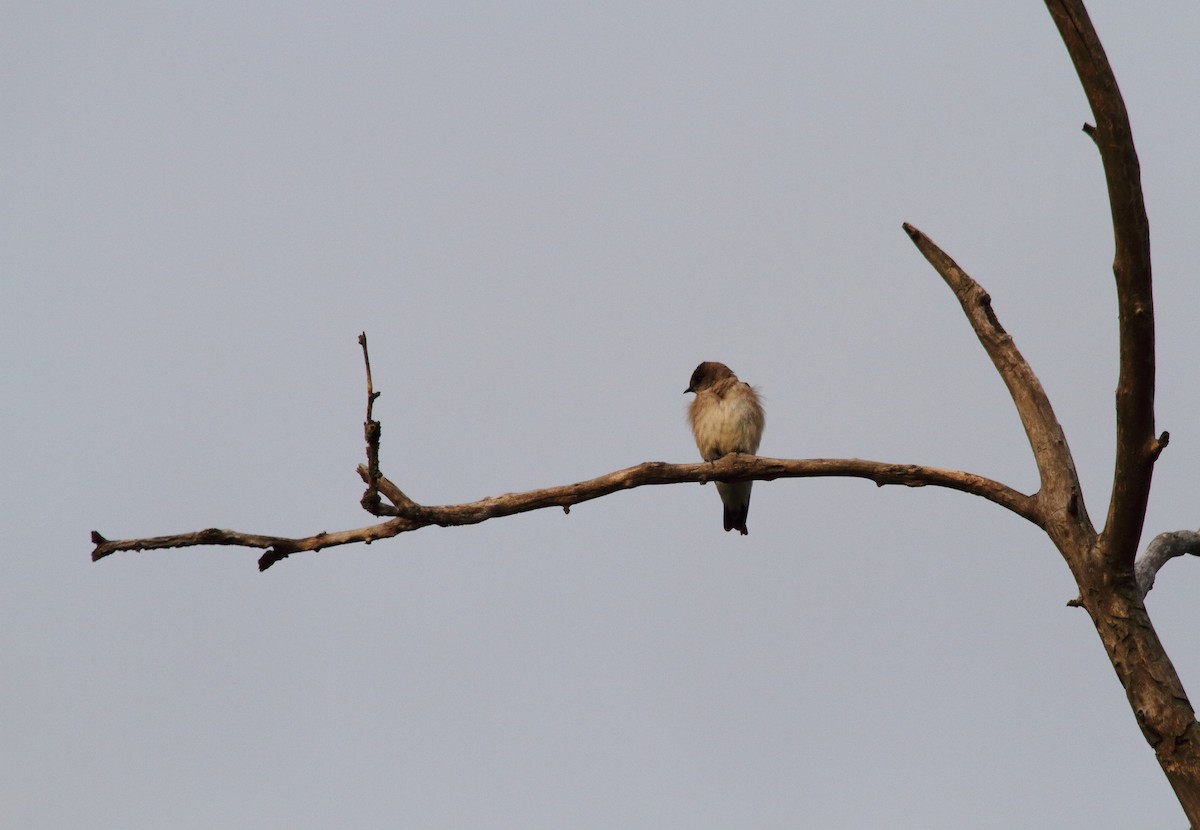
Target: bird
<point>726,416</point>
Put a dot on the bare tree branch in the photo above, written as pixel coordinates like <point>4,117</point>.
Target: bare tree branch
<point>1105,570</point>
<point>406,515</point>
<point>1060,491</point>
<point>1137,448</point>
<point>1162,549</point>
<point>732,467</point>
<point>372,433</point>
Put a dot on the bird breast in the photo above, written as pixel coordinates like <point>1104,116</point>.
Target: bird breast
<point>726,423</point>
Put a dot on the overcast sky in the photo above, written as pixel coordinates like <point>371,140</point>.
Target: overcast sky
<point>544,215</point>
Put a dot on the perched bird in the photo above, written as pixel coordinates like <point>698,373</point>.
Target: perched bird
<point>726,417</point>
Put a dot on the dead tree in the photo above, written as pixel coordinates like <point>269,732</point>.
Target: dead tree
<point>1102,562</point>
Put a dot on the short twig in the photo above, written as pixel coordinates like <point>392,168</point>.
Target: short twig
<point>372,431</point>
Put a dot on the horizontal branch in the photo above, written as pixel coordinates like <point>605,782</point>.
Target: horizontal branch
<point>411,516</point>
<point>277,547</point>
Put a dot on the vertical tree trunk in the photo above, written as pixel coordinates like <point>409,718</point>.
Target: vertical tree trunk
<point>1153,688</point>
<point>1103,565</point>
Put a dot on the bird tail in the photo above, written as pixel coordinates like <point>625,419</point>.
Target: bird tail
<point>736,501</point>
<point>736,519</point>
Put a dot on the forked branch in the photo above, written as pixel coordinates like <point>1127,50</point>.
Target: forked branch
<point>406,515</point>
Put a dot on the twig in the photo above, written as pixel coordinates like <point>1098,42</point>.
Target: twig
<point>402,505</point>
<point>372,430</point>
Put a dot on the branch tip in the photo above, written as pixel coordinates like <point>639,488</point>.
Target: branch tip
<point>1160,444</point>
<point>1046,438</point>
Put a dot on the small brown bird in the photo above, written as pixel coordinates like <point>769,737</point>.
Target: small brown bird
<point>726,417</point>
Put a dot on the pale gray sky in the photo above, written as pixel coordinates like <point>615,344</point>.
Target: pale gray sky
<point>545,215</point>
